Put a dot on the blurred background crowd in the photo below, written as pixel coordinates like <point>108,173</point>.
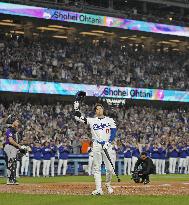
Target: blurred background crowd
<point>93,63</point>
<point>135,124</point>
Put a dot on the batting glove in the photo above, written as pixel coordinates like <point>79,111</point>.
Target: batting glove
<point>106,145</point>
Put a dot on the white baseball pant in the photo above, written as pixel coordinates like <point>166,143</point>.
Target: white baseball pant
<point>161,166</point>
<point>134,160</point>
<point>182,164</point>
<point>17,169</point>
<point>36,167</point>
<point>46,167</point>
<point>99,155</point>
<point>63,162</point>
<point>156,163</point>
<point>187,164</point>
<point>172,165</point>
<point>127,166</point>
<point>52,166</point>
<point>25,165</point>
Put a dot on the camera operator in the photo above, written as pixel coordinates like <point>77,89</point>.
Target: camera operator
<point>146,167</point>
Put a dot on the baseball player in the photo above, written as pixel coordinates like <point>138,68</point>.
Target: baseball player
<point>63,158</point>
<point>103,130</point>
<point>162,157</point>
<point>18,163</point>
<point>127,159</point>
<point>187,158</point>
<point>146,148</point>
<point>11,148</point>
<point>173,153</point>
<point>25,158</point>
<point>37,156</point>
<point>135,155</point>
<point>147,167</point>
<point>90,164</point>
<point>155,156</point>
<point>182,158</point>
<point>53,153</point>
<point>46,151</point>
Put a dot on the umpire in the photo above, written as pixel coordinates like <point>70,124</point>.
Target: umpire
<point>11,148</point>
<point>145,164</point>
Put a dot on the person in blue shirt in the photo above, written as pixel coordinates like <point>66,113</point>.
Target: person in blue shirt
<point>155,156</point>
<point>173,154</point>
<point>127,158</point>
<point>187,159</point>
<point>53,154</point>
<point>146,149</point>
<point>46,151</point>
<point>135,155</point>
<point>63,158</point>
<point>182,158</point>
<point>37,157</point>
<point>162,156</point>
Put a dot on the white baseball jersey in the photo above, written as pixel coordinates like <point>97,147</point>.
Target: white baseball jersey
<point>100,127</point>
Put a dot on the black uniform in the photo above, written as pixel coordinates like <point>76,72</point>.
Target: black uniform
<point>146,167</point>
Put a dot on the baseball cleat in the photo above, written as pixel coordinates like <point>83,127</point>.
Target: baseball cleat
<point>97,192</point>
<point>146,182</point>
<point>109,188</point>
<point>10,183</point>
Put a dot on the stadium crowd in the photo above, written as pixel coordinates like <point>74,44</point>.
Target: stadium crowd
<point>135,10</point>
<point>93,63</point>
<point>162,133</point>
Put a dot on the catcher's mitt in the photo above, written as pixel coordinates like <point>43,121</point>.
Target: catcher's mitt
<point>23,151</point>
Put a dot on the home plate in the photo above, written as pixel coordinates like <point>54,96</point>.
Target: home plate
<point>132,186</point>
<point>165,185</point>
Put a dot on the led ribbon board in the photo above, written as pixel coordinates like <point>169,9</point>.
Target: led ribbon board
<point>68,16</point>
<point>92,90</point>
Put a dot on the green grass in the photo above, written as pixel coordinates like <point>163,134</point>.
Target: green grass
<point>27,199</point>
<point>162,178</point>
<point>19,199</point>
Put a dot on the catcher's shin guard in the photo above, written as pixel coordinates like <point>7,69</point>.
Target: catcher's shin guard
<point>12,170</point>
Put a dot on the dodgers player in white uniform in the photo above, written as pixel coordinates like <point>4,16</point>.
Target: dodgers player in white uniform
<point>25,159</point>
<point>103,130</point>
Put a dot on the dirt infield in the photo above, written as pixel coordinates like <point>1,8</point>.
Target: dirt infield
<point>129,188</point>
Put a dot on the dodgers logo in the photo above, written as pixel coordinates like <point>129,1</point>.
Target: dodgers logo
<point>101,126</point>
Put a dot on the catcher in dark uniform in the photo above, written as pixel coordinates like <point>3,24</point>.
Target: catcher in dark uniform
<point>143,168</point>
<point>11,148</point>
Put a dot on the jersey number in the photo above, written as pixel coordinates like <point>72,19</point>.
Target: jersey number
<point>107,131</point>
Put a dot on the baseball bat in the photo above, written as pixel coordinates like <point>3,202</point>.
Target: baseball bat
<point>108,156</point>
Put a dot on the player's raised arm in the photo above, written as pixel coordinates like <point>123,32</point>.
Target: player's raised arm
<point>78,116</point>
<point>113,130</point>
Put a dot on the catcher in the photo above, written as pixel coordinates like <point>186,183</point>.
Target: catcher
<point>143,168</point>
<point>11,148</point>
